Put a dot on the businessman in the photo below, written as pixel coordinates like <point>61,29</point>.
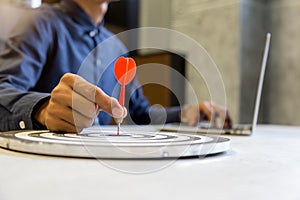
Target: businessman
<point>39,79</point>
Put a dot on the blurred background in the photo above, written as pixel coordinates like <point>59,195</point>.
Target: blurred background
<point>232,32</point>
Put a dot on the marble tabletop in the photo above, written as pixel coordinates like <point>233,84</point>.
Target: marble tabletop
<point>265,165</point>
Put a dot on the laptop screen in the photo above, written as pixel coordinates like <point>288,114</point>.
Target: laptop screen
<point>261,81</point>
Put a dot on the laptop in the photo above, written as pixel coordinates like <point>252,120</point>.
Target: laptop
<point>237,129</point>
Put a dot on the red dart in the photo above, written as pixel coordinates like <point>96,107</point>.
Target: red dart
<point>125,69</point>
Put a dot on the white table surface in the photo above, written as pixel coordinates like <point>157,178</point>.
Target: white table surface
<point>265,165</point>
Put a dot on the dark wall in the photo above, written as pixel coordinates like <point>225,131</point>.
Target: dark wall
<point>255,24</point>
<point>123,14</point>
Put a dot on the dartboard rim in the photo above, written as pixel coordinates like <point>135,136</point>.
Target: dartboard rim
<point>9,140</point>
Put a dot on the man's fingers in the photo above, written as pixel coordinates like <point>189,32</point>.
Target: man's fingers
<point>219,115</point>
<point>62,113</point>
<point>119,112</point>
<point>219,111</point>
<point>228,120</point>
<point>224,114</point>
<point>84,106</point>
<point>94,94</point>
<point>214,112</point>
<point>62,126</point>
<point>120,119</point>
<point>210,112</point>
<point>206,108</point>
<point>190,115</point>
<point>109,104</point>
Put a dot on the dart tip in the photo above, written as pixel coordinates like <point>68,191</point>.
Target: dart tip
<point>118,130</point>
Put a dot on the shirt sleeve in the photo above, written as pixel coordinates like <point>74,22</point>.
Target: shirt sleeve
<point>21,63</point>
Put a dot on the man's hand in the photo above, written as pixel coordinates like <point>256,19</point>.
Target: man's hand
<point>74,104</point>
<point>192,114</point>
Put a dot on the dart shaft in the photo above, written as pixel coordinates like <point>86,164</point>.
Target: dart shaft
<point>118,122</point>
<point>121,101</point>
<point>122,95</point>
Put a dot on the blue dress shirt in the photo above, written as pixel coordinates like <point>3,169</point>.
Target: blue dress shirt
<point>46,44</point>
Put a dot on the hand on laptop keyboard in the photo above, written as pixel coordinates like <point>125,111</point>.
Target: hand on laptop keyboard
<point>217,115</point>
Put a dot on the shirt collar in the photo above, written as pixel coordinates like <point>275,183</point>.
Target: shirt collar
<point>77,14</point>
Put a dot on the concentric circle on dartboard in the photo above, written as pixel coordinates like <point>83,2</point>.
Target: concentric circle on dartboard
<point>92,143</point>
